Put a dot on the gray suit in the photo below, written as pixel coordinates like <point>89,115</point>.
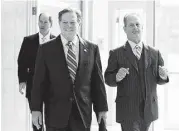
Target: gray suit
<point>136,93</point>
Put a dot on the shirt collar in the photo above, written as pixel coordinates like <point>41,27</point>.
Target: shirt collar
<point>47,36</point>
<point>65,41</point>
<point>132,44</point>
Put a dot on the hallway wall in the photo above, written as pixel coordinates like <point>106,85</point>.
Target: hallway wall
<point>14,27</point>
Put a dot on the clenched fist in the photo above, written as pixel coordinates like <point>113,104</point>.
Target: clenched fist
<point>22,87</point>
<point>37,119</point>
<point>163,73</point>
<point>121,74</point>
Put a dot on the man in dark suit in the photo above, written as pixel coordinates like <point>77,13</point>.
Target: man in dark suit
<point>135,69</point>
<point>28,52</point>
<point>72,66</point>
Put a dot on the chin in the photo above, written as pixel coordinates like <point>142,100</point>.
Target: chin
<point>70,37</point>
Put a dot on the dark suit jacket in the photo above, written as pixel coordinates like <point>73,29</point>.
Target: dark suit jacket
<point>26,60</point>
<point>88,88</point>
<point>127,100</point>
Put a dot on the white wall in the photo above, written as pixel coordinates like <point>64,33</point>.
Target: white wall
<point>14,27</point>
<point>53,7</point>
<point>167,39</point>
<point>17,21</point>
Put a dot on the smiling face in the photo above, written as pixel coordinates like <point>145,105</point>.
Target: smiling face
<point>69,25</point>
<point>133,28</point>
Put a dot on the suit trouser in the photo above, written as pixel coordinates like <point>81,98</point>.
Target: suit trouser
<point>75,122</point>
<point>136,125</point>
<point>34,127</point>
<point>102,126</point>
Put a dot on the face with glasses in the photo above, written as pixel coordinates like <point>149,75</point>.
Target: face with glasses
<point>69,25</point>
<point>44,24</point>
<point>133,28</point>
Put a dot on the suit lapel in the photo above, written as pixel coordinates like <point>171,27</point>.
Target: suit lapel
<point>130,56</point>
<point>147,56</point>
<point>59,48</point>
<point>83,58</point>
<point>62,59</point>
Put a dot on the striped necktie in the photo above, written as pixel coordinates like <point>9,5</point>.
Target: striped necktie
<point>137,51</point>
<point>71,61</point>
<point>43,40</point>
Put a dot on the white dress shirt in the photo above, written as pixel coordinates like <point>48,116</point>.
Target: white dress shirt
<point>43,39</point>
<point>75,46</point>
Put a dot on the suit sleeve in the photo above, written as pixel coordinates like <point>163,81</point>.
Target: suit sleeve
<point>99,97</point>
<point>38,86</point>
<point>111,70</point>
<point>22,62</point>
<point>160,63</point>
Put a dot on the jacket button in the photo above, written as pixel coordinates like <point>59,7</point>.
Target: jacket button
<point>71,99</point>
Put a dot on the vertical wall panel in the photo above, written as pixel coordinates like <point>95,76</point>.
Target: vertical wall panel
<point>14,28</point>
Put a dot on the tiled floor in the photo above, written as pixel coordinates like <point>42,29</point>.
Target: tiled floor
<point>115,127</point>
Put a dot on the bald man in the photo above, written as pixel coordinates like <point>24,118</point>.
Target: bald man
<point>136,69</point>
<point>27,55</point>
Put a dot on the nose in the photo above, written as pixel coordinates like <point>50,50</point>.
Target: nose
<point>44,24</point>
<point>69,24</point>
<point>135,26</point>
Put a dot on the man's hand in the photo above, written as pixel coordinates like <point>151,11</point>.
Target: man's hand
<point>163,73</point>
<point>22,87</point>
<point>37,119</point>
<point>121,74</point>
<point>102,115</point>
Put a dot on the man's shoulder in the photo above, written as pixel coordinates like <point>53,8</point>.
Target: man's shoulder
<point>118,49</point>
<point>32,37</point>
<point>152,49</point>
<point>88,43</point>
<point>84,41</point>
<point>49,43</point>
